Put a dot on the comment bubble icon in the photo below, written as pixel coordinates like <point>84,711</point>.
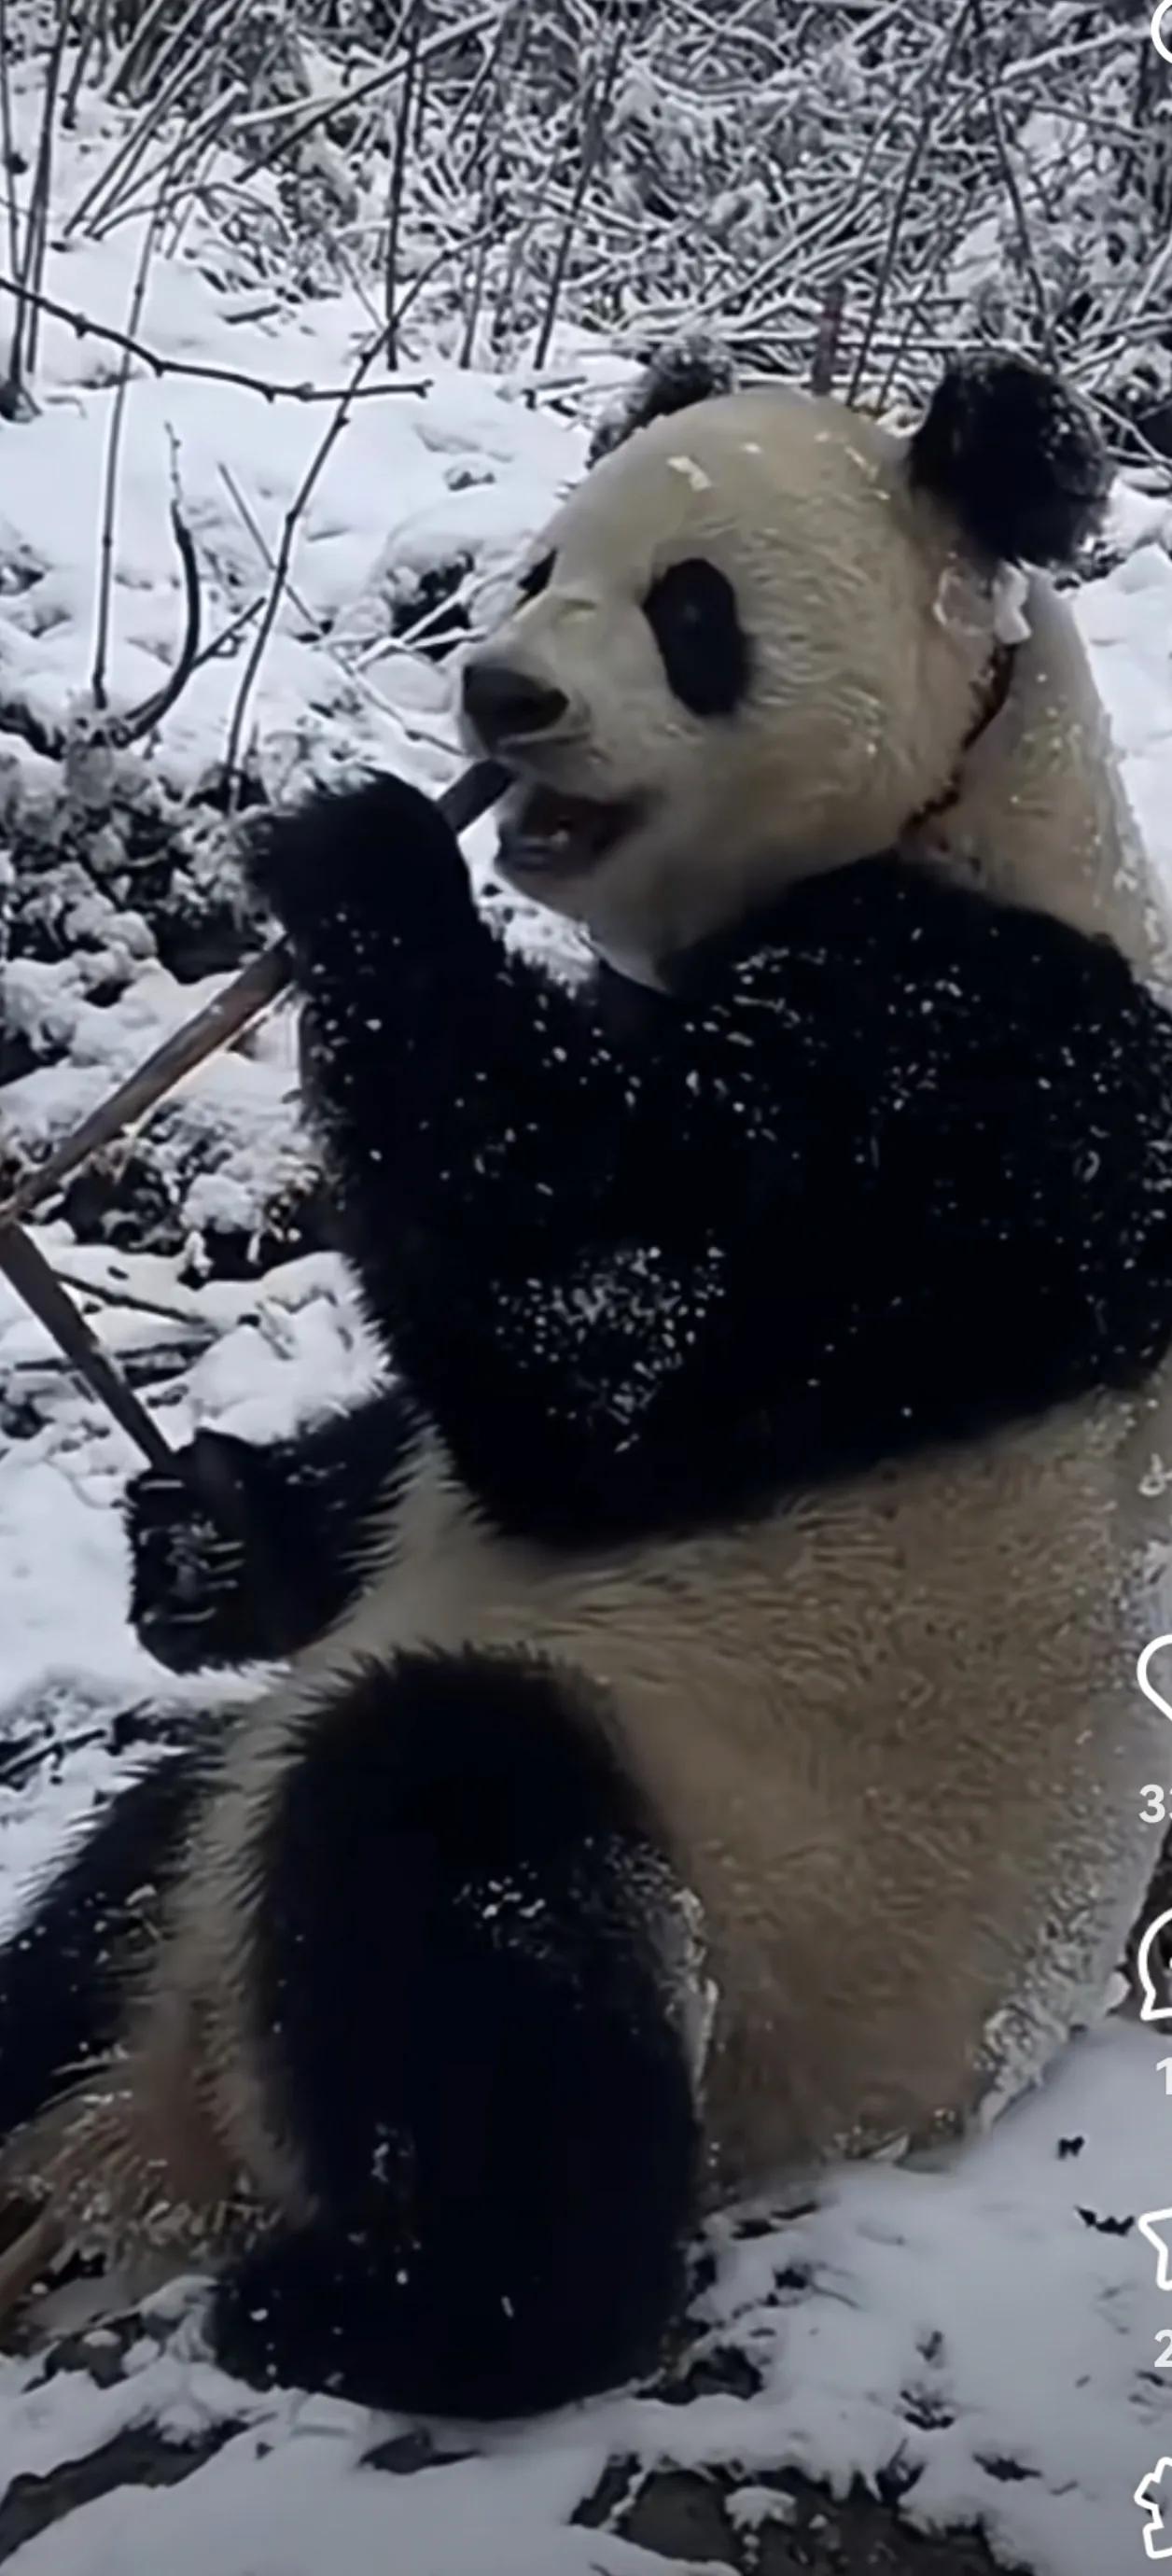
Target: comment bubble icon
<point>1155,1646</point>
<point>1151,2008</point>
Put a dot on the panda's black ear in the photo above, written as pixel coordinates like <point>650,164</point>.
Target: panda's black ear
<point>1016,456</point>
<point>689,370</point>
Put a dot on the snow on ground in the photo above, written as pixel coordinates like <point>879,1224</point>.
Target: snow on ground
<point>980,2338</point>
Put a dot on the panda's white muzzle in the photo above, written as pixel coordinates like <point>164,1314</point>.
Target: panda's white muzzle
<point>545,830</point>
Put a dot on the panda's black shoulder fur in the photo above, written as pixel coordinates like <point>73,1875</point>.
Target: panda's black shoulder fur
<point>890,1166</point>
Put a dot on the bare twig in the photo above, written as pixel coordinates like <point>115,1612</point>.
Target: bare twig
<point>143,719</point>
<point>934,76</point>
<point>289,527</point>
<point>178,89</point>
<point>897,350</point>
<point>1029,255</point>
<point>110,476</point>
<point>114,1292</point>
<point>505,27</point>
<point>225,636</point>
<point>154,16</point>
<point>85,36</point>
<point>829,334</point>
<point>165,181</point>
<point>37,233</point>
<point>15,398</point>
<point>352,669</point>
<point>350,98</point>
<point>397,180</point>
<point>84,328</point>
<point>594,127</point>
<point>8,139</point>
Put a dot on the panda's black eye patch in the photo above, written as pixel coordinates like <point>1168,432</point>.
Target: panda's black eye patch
<point>692,612</point>
<point>533,582</point>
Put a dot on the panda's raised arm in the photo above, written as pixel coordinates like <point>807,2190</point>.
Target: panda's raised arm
<point>463,1097</point>
<point>539,1211</point>
<point>860,1189</point>
<point>498,1190</point>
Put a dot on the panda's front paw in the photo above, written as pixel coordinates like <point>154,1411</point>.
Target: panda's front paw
<point>201,1585</point>
<point>360,874</point>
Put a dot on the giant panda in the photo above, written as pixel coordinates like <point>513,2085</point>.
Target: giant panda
<point>709,1744</point>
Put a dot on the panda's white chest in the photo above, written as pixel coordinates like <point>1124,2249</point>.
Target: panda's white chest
<point>895,1736</point>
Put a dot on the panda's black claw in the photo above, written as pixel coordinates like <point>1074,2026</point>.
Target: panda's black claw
<point>1017,455</point>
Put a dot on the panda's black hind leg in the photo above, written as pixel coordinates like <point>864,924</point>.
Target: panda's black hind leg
<point>461,1925</point>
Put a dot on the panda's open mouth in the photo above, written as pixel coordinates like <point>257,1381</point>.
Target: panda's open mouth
<point>544,833</point>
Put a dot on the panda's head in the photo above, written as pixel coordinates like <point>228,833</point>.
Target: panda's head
<point>756,639</point>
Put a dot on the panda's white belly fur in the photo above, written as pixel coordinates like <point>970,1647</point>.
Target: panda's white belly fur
<point>894,1732</point>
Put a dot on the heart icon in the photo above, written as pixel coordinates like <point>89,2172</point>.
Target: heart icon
<point>1141,1674</point>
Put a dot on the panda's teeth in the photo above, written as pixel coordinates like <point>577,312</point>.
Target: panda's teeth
<point>547,830</point>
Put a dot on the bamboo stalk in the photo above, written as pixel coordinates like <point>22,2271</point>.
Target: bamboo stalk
<point>249,993</point>
<point>206,1470</point>
<point>27,1270</point>
<point>252,991</point>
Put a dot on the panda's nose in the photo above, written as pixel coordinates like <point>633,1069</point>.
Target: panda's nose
<point>503,705</point>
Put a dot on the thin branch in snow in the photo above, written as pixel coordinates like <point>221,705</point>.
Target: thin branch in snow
<point>353,670</point>
<point>397,179</point>
<point>1025,238</point>
<point>15,397</point>
<point>84,327</point>
<point>143,719</point>
<point>932,83</point>
<point>134,54</point>
<point>349,98</point>
<point>169,175</point>
<point>8,139</point>
<point>829,335</point>
<point>115,1292</point>
<point>85,35</point>
<point>292,520</point>
<point>115,174</point>
<point>110,475</point>
<point>596,108</point>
